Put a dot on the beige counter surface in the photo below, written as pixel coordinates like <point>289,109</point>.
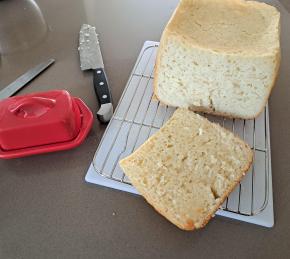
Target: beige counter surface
<point>46,208</point>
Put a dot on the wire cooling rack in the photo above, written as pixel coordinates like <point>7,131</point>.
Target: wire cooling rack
<point>138,116</point>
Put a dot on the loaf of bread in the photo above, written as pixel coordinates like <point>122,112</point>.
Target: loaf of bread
<point>188,168</point>
<point>219,56</point>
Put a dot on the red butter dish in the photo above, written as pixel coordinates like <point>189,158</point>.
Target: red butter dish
<point>42,122</point>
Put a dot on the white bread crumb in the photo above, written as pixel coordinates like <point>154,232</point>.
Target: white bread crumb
<point>198,171</point>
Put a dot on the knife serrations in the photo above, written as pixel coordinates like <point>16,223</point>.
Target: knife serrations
<point>21,81</point>
<point>89,48</point>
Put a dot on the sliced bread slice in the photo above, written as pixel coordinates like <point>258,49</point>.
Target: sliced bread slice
<point>188,168</point>
<point>219,56</point>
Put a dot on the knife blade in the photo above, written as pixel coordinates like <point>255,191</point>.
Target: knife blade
<point>91,58</point>
<point>21,81</point>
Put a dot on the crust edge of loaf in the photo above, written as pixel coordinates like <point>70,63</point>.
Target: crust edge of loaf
<point>170,28</point>
<point>191,225</point>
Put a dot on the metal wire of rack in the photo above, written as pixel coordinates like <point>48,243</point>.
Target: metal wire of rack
<point>138,116</point>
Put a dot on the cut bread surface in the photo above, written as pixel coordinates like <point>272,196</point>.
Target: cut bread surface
<point>219,56</point>
<point>188,168</point>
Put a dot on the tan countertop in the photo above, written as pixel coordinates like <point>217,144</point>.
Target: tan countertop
<point>46,208</point>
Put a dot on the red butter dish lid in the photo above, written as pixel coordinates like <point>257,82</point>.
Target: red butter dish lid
<point>42,122</point>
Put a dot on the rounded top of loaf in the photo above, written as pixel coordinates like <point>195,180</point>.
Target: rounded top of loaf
<point>227,26</point>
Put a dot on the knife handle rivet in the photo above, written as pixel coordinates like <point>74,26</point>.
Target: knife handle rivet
<point>104,96</point>
<point>99,72</point>
<point>101,83</point>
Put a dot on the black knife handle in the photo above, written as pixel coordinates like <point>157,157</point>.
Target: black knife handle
<point>101,86</point>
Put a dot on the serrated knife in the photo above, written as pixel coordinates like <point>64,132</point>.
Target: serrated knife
<point>21,81</point>
<point>91,58</point>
